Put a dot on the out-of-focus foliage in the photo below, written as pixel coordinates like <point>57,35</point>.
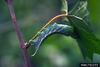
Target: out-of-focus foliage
<point>85,37</point>
<point>57,50</point>
<point>31,16</point>
<point>94,9</point>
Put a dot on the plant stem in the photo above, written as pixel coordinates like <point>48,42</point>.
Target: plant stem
<point>19,34</point>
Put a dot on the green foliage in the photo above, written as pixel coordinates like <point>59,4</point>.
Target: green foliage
<point>94,9</point>
<point>87,40</point>
<point>85,37</point>
<point>80,9</point>
<point>29,14</point>
<point>78,19</point>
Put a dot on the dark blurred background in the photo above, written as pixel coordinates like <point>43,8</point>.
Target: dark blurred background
<point>57,50</point>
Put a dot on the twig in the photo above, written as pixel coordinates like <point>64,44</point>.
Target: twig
<point>19,34</point>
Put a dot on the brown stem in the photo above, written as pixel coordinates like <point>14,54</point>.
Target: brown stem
<point>19,34</point>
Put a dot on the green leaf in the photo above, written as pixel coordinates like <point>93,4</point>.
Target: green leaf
<point>80,9</point>
<point>88,42</point>
<point>94,9</point>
